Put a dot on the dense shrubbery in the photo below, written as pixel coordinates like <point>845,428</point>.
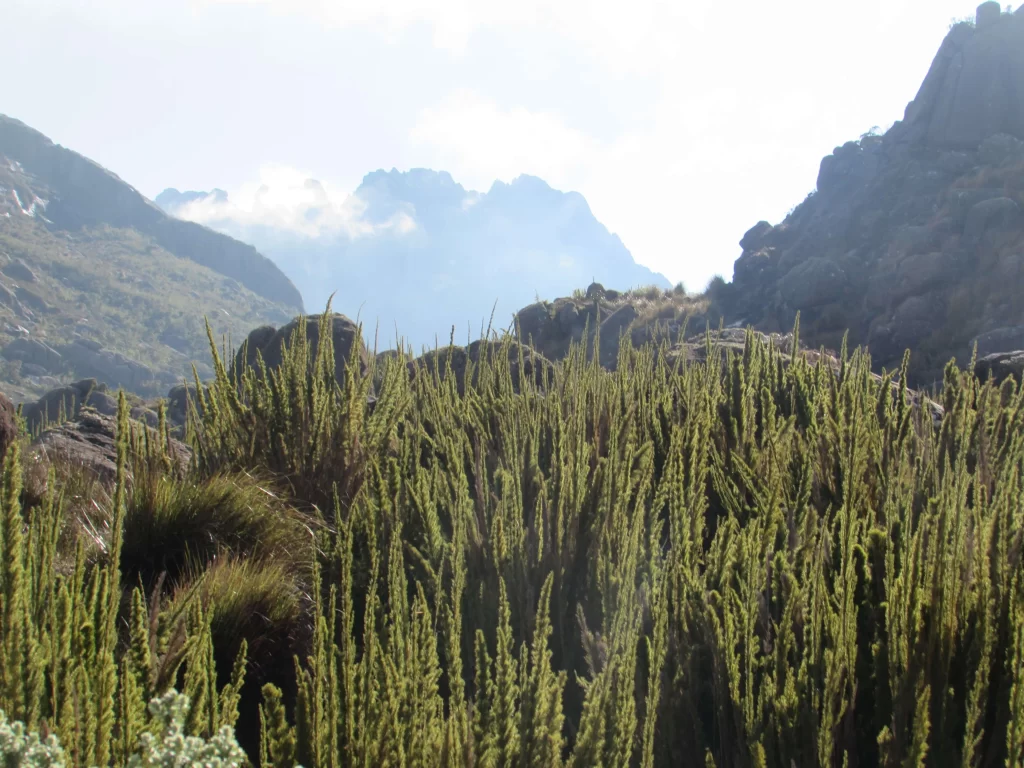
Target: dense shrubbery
<point>753,561</point>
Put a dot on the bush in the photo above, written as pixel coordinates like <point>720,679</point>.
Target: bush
<point>167,745</point>
<point>170,524</point>
<point>754,559</point>
<point>19,748</point>
<point>170,746</point>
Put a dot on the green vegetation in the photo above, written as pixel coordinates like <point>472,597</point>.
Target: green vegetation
<point>118,288</point>
<point>753,561</point>
<point>166,746</point>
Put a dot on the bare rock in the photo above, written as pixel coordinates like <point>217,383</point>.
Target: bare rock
<point>34,351</point>
<point>19,270</point>
<point>611,328</point>
<point>88,358</point>
<point>534,322</point>
<point>997,214</point>
<point>32,300</point>
<point>971,91</point>
<point>269,343</point>
<point>10,300</point>
<point>754,237</point>
<point>147,416</point>
<point>1000,149</point>
<point>988,14</point>
<point>535,366</point>
<point>813,283</point>
<point>89,441</point>
<point>998,340</point>
<point>1001,366</point>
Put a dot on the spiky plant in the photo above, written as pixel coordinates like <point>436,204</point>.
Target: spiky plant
<point>761,558</point>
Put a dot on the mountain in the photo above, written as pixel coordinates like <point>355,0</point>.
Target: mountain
<point>98,282</point>
<point>418,251</point>
<point>84,194</point>
<point>915,238</point>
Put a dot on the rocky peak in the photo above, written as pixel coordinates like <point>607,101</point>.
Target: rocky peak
<point>973,88</point>
<point>422,193</point>
<point>171,198</point>
<point>915,238</point>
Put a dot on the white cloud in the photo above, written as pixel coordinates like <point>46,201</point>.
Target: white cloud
<point>636,36</point>
<point>478,142</point>
<point>291,201</point>
<point>681,123</point>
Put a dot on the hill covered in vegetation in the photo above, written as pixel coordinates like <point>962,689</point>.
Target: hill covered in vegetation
<point>96,281</point>
<point>751,559</point>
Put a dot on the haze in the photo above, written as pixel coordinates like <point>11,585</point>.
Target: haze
<point>681,126</point>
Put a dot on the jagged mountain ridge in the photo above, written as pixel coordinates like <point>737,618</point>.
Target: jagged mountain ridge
<point>423,253</point>
<point>915,238</point>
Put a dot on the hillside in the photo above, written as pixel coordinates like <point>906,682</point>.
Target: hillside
<point>80,193</point>
<point>914,238</point>
<point>417,250</point>
<point>86,293</point>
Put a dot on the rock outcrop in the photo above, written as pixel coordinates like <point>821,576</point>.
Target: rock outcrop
<point>83,194</point>
<point>551,327</point>
<point>1001,366</point>
<point>534,366</point>
<point>973,89</point>
<point>915,238</point>
<point>66,402</point>
<point>268,342</point>
<point>89,443</point>
<point>88,359</point>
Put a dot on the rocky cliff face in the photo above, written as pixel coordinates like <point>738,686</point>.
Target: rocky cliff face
<point>975,86</point>
<point>915,238</point>
<point>81,193</point>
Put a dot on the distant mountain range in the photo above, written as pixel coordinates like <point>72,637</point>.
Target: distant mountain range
<point>417,251</point>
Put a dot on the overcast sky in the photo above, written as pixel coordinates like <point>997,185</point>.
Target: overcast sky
<point>681,123</point>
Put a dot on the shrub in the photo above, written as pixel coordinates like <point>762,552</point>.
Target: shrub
<point>167,745</point>
<point>170,746</point>
<point>755,559</point>
<point>170,523</point>
<point>20,748</point>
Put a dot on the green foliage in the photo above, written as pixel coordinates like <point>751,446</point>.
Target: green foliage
<point>120,288</point>
<point>750,561</point>
<point>171,524</point>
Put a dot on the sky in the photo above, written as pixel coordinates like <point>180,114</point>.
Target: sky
<point>682,124</point>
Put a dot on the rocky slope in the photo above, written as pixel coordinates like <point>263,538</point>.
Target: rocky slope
<point>418,251</point>
<point>81,194</point>
<point>915,238</point>
<point>94,283</point>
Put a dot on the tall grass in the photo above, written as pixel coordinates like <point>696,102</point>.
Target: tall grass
<point>753,560</point>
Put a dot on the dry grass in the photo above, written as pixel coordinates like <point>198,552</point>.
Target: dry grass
<point>170,524</point>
